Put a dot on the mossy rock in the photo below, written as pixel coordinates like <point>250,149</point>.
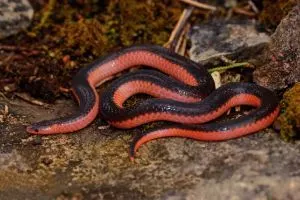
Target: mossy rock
<point>289,119</point>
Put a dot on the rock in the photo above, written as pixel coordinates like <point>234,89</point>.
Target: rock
<point>15,15</point>
<point>238,188</point>
<point>281,60</point>
<point>231,39</point>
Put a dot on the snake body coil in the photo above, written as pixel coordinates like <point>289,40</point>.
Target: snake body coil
<point>188,98</point>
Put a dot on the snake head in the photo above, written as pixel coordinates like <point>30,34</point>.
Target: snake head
<point>43,127</point>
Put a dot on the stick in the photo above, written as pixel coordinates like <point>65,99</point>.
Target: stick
<point>29,99</point>
<point>175,35</point>
<point>200,5</point>
<point>234,65</point>
<point>243,12</point>
<point>182,42</point>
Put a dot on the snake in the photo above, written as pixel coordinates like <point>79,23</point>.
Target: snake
<point>184,95</point>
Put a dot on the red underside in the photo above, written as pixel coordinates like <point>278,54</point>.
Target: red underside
<point>210,136</point>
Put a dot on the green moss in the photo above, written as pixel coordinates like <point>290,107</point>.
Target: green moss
<point>81,30</point>
<point>71,34</point>
<point>134,21</point>
<point>45,15</point>
<point>84,35</point>
<point>289,119</point>
<point>122,23</point>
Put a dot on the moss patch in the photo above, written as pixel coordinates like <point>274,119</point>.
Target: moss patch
<point>289,119</point>
<point>68,35</point>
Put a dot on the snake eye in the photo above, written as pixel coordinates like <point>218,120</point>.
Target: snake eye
<point>36,130</point>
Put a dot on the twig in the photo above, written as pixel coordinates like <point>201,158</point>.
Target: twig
<point>182,42</point>
<point>30,99</point>
<point>177,31</point>
<point>7,100</point>
<point>243,12</point>
<point>64,90</point>
<point>25,51</point>
<point>253,7</point>
<point>12,48</point>
<point>175,35</point>
<point>222,68</point>
<point>5,111</point>
<point>4,114</point>
<point>200,5</point>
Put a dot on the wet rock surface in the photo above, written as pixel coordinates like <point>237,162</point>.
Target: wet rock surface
<point>94,163</point>
<point>236,40</point>
<point>282,58</point>
<point>15,15</point>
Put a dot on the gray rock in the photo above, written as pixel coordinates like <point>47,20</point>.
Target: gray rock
<point>236,40</point>
<point>281,60</point>
<point>15,15</point>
